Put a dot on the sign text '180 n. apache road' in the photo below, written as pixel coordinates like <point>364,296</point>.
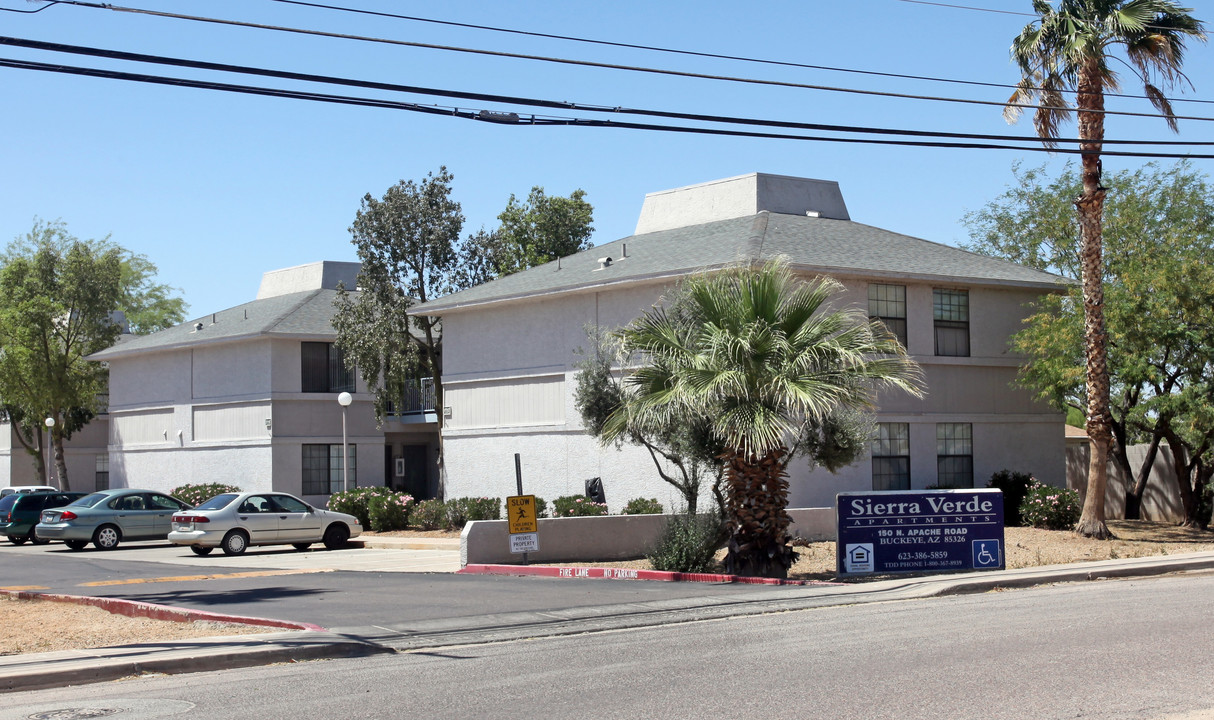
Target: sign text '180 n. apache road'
<point>922,531</point>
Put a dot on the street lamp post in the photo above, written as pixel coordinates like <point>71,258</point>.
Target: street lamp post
<point>344,400</point>
<point>50,446</point>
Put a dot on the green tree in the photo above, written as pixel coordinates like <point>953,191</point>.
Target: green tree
<point>56,308</point>
<point>531,233</point>
<point>769,364</point>
<point>408,243</point>
<point>1158,304</point>
<point>1069,49</point>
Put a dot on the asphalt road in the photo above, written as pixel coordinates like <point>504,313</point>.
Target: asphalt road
<point>1134,649</point>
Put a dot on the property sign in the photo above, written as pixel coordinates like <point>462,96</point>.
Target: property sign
<point>521,514</point>
<point>920,531</point>
<point>524,542</point>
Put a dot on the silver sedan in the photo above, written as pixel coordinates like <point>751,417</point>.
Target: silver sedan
<point>234,521</point>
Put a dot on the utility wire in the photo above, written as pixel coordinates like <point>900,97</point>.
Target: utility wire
<point>716,56</point>
<point>609,66</point>
<point>533,102</point>
<point>968,7</point>
<point>510,118</point>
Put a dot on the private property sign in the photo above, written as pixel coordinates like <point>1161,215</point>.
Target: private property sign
<point>919,531</point>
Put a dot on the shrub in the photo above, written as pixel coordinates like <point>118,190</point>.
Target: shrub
<point>643,506</point>
<point>461,511</point>
<point>1050,508</point>
<point>355,502</point>
<point>429,514</point>
<point>389,512</point>
<point>688,543</point>
<point>541,507</point>
<point>1015,486</point>
<point>198,494</point>
<point>577,506</point>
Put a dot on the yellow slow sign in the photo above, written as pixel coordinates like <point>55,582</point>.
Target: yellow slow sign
<point>520,514</point>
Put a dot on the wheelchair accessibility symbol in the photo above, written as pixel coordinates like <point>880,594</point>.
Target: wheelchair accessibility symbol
<point>986,554</point>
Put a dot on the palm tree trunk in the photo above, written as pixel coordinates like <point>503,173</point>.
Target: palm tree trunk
<point>1090,206</point>
<point>757,516</point>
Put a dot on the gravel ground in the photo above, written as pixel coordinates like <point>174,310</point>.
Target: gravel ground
<point>43,626</point>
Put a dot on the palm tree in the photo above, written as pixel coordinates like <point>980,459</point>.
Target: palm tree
<point>1069,49</point>
<point>763,357</point>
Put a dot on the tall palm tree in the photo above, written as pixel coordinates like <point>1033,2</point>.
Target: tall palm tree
<point>769,363</point>
<point>1069,49</point>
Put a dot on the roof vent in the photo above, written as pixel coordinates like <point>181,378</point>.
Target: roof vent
<point>812,213</point>
<point>197,327</point>
<point>604,262</point>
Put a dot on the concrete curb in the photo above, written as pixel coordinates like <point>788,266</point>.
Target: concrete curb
<point>566,571</point>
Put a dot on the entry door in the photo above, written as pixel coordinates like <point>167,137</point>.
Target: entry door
<point>417,471</point>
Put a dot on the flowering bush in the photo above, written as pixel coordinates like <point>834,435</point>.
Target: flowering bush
<point>1050,508</point>
<point>577,506</point>
<point>356,502</point>
<point>389,512</point>
<point>429,514</point>
<point>198,494</point>
<point>461,511</point>
<point>643,506</point>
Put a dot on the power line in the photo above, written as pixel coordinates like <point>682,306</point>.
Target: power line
<point>510,118</point>
<point>588,63</point>
<point>696,53</point>
<point>968,7</point>
<point>534,102</point>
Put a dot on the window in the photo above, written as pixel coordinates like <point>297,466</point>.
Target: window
<point>101,477</point>
<point>322,469</point>
<point>887,303</point>
<point>955,455</point>
<point>951,309</point>
<point>323,368</point>
<point>891,457</point>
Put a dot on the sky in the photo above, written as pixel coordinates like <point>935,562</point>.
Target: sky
<point>216,188</point>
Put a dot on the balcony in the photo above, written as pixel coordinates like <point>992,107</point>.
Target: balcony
<point>416,405</point>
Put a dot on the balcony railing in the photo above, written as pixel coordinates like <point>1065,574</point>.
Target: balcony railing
<point>418,399</point>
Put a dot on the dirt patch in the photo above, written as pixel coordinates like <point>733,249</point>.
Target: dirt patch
<point>43,626</point>
<point>444,534</point>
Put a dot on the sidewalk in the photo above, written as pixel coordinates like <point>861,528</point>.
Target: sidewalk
<point>56,669</point>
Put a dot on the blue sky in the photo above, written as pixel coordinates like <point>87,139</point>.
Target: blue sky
<point>216,188</point>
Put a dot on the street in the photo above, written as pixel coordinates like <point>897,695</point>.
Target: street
<point>1110,649</point>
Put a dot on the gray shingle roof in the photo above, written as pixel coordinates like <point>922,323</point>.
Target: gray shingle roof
<point>302,314</point>
<point>817,245</point>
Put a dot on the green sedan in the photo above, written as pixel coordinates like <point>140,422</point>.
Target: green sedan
<point>108,517</point>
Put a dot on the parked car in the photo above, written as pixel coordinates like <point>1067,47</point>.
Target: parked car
<point>25,489</point>
<point>108,517</point>
<point>20,512</point>
<point>234,521</point>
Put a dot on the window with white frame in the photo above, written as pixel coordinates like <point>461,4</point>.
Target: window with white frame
<point>890,450</point>
<point>955,455</point>
<point>951,311</point>
<point>887,303</point>
<point>101,476</point>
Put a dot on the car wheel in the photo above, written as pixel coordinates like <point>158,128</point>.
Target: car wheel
<point>75,544</point>
<point>17,539</point>
<point>200,550</point>
<point>36,540</point>
<point>336,536</point>
<point>235,543</point>
<point>301,546</point>
<point>106,537</point>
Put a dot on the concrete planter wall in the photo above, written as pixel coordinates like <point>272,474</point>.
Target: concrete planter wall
<point>602,539</point>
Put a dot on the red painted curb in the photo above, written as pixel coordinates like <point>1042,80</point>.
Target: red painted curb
<point>130,608</point>
<point>625,574</point>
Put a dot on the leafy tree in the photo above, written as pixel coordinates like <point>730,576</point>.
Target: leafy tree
<point>408,243</point>
<point>532,233</point>
<point>1069,49</point>
<point>56,308</point>
<point>1158,304</point>
<point>768,364</point>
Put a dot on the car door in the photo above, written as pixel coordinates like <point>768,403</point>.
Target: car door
<point>257,515</point>
<point>163,507</point>
<point>296,522</point>
<point>131,513</point>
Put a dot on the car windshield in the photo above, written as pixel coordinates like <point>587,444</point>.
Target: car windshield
<point>218,502</point>
<point>90,500</point>
<point>7,502</point>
